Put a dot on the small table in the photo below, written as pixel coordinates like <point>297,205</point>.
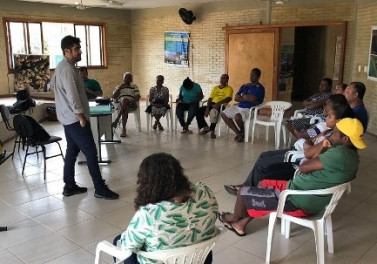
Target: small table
<point>100,123</point>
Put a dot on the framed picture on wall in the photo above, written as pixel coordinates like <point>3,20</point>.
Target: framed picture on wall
<point>372,64</point>
<point>176,48</point>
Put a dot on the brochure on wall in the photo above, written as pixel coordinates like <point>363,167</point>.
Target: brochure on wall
<point>176,48</point>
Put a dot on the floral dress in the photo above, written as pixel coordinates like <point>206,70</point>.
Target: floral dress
<point>166,224</point>
<point>158,96</point>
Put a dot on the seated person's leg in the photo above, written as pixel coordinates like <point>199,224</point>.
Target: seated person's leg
<point>193,108</point>
<point>179,111</point>
<point>227,115</point>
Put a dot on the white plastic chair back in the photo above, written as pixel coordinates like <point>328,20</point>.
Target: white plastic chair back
<point>316,223</point>
<point>193,254</point>
<point>277,113</point>
<point>168,114</point>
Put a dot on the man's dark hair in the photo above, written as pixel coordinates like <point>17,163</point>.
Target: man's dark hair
<point>328,80</point>
<point>160,178</point>
<point>257,71</point>
<point>360,88</point>
<point>188,84</point>
<point>83,69</point>
<point>338,103</point>
<point>68,42</point>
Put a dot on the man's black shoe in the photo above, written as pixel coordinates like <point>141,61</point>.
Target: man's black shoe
<point>105,193</point>
<point>75,190</point>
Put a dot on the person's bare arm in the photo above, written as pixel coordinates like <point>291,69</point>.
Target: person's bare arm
<point>96,93</point>
<point>116,93</point>
<point>311,165</point>
<point>314,105</point>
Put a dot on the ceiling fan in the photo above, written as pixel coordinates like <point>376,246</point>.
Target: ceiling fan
<point>79,5</point>
<point>277,2</point>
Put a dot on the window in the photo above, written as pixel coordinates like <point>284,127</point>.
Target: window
<point>39,38</point>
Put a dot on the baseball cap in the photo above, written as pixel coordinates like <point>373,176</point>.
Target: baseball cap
<point>352,128</point>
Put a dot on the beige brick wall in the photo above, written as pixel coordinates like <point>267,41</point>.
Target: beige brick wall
<point>207,48</point>
<point>118,32</point>
<point>366,18</point>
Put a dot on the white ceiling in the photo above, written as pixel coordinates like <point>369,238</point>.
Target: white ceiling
<point>125,4</point>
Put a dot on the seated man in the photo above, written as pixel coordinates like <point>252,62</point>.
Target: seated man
<point>248,95</point>
<point>354,94</point>
<point>336,162</point>
<point>220,95</point>
<point>314,105</point>
<point>128,95</point>
<point>92,87</point>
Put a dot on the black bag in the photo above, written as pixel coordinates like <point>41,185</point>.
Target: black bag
<point>24,102</point>
<point>39,133</point>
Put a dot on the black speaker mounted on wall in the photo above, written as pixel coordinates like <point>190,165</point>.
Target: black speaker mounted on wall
<point>186,15</point>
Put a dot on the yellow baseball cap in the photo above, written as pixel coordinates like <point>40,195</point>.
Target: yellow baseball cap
<point>352,128</point>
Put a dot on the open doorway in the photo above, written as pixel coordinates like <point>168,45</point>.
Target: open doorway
<point>309,53</point>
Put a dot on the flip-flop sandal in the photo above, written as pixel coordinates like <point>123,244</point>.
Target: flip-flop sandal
<point>213,136</point>
<point>241,139</point>
<point>231,189</point>
<point>221,217</point>
<point>231,228</point>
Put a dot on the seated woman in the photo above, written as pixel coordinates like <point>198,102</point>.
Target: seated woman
<point>313,105</point>
<point>190,94</point>
<point>159,101</point>
<point>171,212</point>
<point>128,95</point>
<point>336,163</point>
<point>271,165</point>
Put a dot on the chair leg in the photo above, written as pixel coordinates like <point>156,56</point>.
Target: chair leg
<point>329,234</point>
<point>26,153</point>
<point>270,235</point>
<point>252,133</point>
<point>247,127</point>
<point>44,161</point>
<point>318,229</point>
<point>148,120</point>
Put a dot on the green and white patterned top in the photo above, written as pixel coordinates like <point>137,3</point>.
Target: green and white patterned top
<point>166,225</point>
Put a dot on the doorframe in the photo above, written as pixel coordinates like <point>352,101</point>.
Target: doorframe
<point>248,28</point>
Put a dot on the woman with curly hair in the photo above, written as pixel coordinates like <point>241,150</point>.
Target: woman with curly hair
<point>171,211</point>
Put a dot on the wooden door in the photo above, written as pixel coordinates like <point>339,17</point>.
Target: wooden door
<point>253,48</point>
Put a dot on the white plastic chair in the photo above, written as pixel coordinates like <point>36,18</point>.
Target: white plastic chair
<point>277,113</point>
<point>193,254</point>
<point>246,124</point>
<point>318,223</point>
<point>168,114</point>
<point>136,114</point>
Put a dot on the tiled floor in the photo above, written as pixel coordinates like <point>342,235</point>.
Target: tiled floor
<point>45,227</point>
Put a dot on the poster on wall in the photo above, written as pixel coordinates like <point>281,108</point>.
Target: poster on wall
<point>176,48</point>
<point>372,64</point>
<point>31,72</point>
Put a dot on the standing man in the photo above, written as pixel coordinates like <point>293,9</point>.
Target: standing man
<point>72,110</point>
<point>354,94</point>
<point>92,87</point>
<point>248,95</point>
<point>220,96</point>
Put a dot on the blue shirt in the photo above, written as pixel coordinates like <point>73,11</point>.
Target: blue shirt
<point>361,114</point>
<point>189,96</point>
<point>254,89</point>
